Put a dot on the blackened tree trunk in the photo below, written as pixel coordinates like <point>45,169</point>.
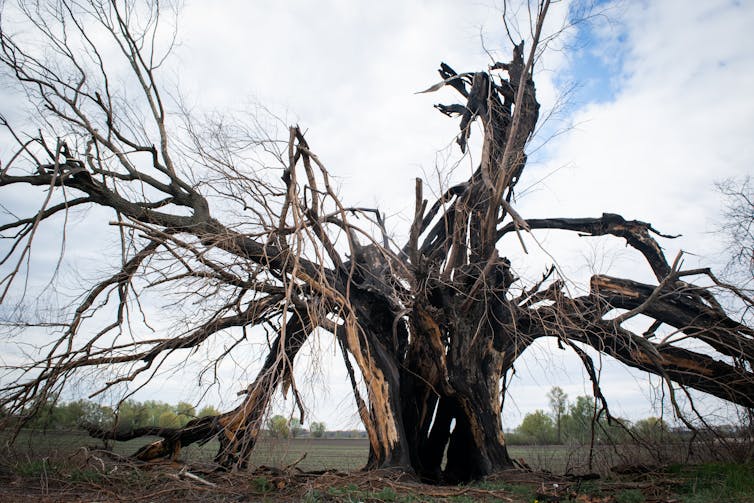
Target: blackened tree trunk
<point>433,327</point>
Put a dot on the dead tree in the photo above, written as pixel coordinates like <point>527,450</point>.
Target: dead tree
<point>433,325</point>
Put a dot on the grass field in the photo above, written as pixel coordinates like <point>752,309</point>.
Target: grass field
<point>321,453</point>
<point>339,453</point>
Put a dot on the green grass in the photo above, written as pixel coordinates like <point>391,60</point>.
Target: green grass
<point>629,496</point>
<point>715,482</point>
<point>34,467</point>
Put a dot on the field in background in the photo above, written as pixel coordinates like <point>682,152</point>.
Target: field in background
<point>321,453</point>
<point>342,453</point>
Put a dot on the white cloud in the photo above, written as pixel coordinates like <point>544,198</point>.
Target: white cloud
<point>679,122</point>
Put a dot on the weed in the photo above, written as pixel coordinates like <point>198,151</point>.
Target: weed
<point>262,485</point>
<point>715,482</point>
<point>345,493</point>
<point>590,488</point>
<point>312,496</point>
<point>629,496</point>
<point>85,475</point>
<point>386,494</point>
<point>34,467</point>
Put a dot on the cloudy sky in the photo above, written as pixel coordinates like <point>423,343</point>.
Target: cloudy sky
<point>657,109</point>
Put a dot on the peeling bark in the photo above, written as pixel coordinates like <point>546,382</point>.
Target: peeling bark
<point>433,326</point>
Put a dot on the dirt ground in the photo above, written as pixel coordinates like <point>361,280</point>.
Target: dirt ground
<point>55,467</point>
<point>175,483</point>
<point>102,476</point>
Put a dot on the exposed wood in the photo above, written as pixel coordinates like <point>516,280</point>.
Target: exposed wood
<point>432,326</point>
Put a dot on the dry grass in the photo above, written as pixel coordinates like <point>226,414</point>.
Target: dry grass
<point>56,468</point>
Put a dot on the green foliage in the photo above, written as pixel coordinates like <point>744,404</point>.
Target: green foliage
<point>386,494</point>
<point>730,482</point>
<point>71,415</point>
<point>580,420</point>
<point>34,468</point>
<point>629,496</point>
<point>651,429</point>
<point>295,427</point>
<point>86,413</point>
<point>318,429</point>
<point>558,404</point>
<point>86,475</point>
<point>350,491</point>
<point>186,409</point>
<point>208,410</point>
<point>590,488</point>
<point>47,416</point>
<point>131,415</point>
<point>185,412</point>
<point>168,419</point>
<point>278,427</point>
<point>577,424</point>
<point>262,485</point>
<point>312,496</point>
<point>538,426</point>
<point>134,414</point>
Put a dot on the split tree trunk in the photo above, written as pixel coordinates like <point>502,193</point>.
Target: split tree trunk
<point>434,328</point>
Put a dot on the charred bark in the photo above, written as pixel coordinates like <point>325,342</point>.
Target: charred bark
<point>433,327</point>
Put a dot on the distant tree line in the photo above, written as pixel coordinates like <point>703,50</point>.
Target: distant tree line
<point>131,415</point>
<point>281,428</point>
<point>576,422</point>
<point>566,423</point>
